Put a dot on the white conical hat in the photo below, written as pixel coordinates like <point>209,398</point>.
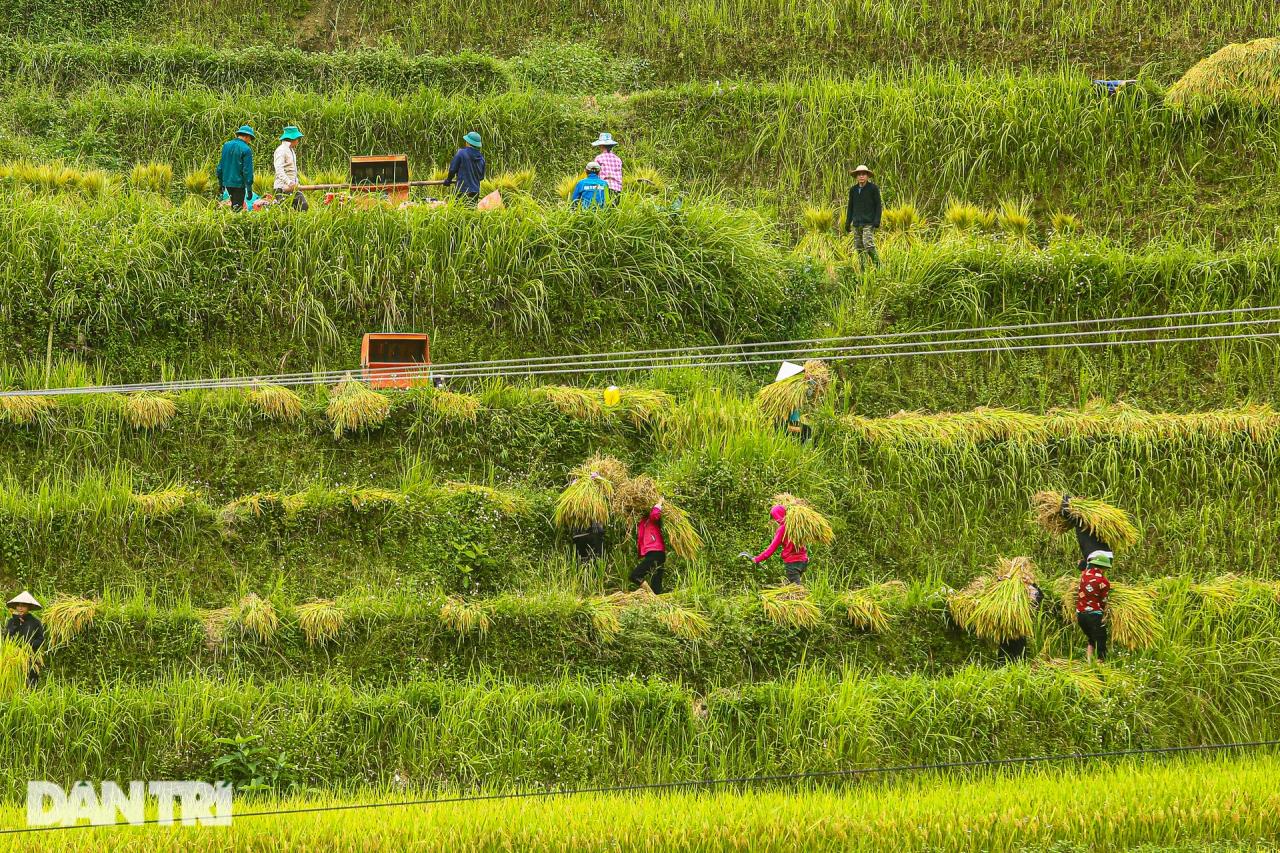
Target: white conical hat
<point>24,597</point>
<point>788,369</point>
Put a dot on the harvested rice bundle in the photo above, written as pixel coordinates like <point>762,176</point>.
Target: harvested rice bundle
<point>1023,567</point>
<point>277,402</point>
<point>995,424</point>
<point>635,496</point>
<point>685,623</point>
<point>1131,617</point>
<point>452,406</point>
<point>1065,589</point>
<point>790,606</point>
<point>252,615</point>
<point>66,617</point>
<point>25,408</point>
<point>581,403</point>
<point>613,470</point>
<point>805,525</point>
<point>585,501</point>
<point>464,617</point>
<point>353,407</point>
<point>245,507</point>
<point>1220,594</point>
<point>642,405</point>
<point>677,529</point>
<point>961,603</point>
<point>779,399</point>
<point>1002,611</point>
<point>145,410</point>
<point>510,503</point>
<point>164,502</point>
<point>320,620</point>
<point>1109,523</point>
<point>603,614</point>
<point>1239,75</point>
<point>865,607</point>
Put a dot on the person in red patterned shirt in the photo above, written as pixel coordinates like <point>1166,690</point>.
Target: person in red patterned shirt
<point>610,166</point>
<point>1091,603</point>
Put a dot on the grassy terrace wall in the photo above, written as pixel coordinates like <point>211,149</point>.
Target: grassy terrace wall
<point>502,734</point>
<point>680,38</point>
<point>1126,165</point>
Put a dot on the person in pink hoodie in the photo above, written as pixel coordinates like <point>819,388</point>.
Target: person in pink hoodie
<point>653,550</point>
<point>794,559</point>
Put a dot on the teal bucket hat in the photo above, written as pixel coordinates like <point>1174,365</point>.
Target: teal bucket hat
<point>246,131</point>
<point>472,139</point>
<point>291,132</point>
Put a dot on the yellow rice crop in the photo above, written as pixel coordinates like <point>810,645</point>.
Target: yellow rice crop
<point>353,408</point>
<point>164,502</point>
<point>790,606</point>
<point>642,406</point>
<point>508,502</point>
<point>585,501</point>
<point>145,410</point>
<point>1240,75</point>
<point>1002,611</point>
<point>256,617</point>
<point>581,403</point>
<point>66,617</point>
<point>465,617</point>
<point>16,658</point>
<point>1105,521</point>
<point>452,406</point>
<point>1131,617</point>
<point>603,614</point>
<point>677,529</point>
<point>805,525</point>
<point>277,402</point>
<point>320,620</point>
<point>634,497</point>
<point>779,399</point>
<point>25,408</point>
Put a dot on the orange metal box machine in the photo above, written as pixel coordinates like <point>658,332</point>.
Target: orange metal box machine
<point>395,359</point>
<point>381,173</point>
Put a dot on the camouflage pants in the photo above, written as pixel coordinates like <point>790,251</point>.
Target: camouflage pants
<point>864,242</point>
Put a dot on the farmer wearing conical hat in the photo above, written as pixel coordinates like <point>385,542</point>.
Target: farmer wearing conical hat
<point>862,217</point>
<point>610,165</point>
<point>24,626</point>
<point>795,559</point>
<point>653,550</point>
<point>286,165</point>
<point>466,170</point>
<point>235,167</point>
<point>1091,603</point>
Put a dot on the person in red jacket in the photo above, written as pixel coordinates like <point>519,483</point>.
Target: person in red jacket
<point>1091,603</point>
<point>794,559</point>
<point>653,550</point>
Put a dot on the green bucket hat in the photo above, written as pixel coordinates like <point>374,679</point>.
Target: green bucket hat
<point>291,132</point>
<point>472,139</point>
<point>245,130</point>
<point>1100,558</point>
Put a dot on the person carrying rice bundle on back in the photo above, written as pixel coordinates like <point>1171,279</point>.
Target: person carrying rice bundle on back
<point>653,550</point>
<point>1091,603</point>
<point>795,558</point>
<point>1088,539</point>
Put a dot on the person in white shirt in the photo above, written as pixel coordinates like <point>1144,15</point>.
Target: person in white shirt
<point>286,163</point>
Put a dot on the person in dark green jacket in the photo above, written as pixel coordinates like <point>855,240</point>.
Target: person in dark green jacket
<point>235,169</point>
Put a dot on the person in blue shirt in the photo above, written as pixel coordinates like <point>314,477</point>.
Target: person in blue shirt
<point>591,191</point>
<point>466,171</point>
<point>235,168</point>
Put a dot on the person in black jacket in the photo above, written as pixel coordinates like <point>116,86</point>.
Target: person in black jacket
<point>22,625</point>
<point>863,216</point>
<point>589,542</point>
<point>1089,542</point>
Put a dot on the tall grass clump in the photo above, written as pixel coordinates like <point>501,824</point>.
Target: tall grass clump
<point>276,402</point>
<point>1244,76</point>
<point>1014,219</point>
<point>795,393</point>
<point>152,177</point>
<point>1064,224</point>
<point>818,239</point>
<point>466,617</point>
<point>198,182</point>
<point>805,525</point>
<point>354,408</point>
<point>66,617</point>
<point>320,620</point>
<point>16,658</point>
<point>1110,524</point>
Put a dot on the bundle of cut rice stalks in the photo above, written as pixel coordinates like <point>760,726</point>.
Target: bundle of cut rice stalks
<point>25,408</point>
<point>277,402</point>
<point>146,410</point>
<point>585,404</point>
<point>164,502</point>
<point>586,499</point>
<point>66,617</point>
<point>634,499</point>
<point>603,614</point>
<point>320,620</point>
<point>353,407</point>
<point>452,406</point>
<point>790,606</point>
<point>1110,524</point>
<point>1065,590</point>
<point>807,388</point>
<point>464,617</point>
<point>805,525</point>
<point>996,606</point>
<point>1131,617</point>
<point>16,658</point>
<point>642,406</point>
<point>684,622</point>
<point>1239,75</point>
<point>865,607</point>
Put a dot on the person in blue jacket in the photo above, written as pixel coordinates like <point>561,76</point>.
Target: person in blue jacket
<point>591,191</point>
<point>466,171</point>
<point>235,168</point>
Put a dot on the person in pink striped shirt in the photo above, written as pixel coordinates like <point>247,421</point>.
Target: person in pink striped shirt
<point>610,166</point>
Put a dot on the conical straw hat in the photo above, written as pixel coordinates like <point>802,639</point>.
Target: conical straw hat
<point>788,369</point>
<point>25,597</point>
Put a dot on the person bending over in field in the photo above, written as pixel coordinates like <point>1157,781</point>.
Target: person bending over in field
<point>25,627</point>
<point>794,559</point>
<point>653,550</point>
<point>588,542</point>
<point>862,217</point>
<point>591,191</point>
<point>1091,603</point>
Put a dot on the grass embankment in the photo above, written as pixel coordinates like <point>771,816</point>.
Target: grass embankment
<point>1118,163</point>
<point>535,637</point>
<point>1196,804</point>
<point>297,509</point>
<point>501,735</point>
<point>679,38</point>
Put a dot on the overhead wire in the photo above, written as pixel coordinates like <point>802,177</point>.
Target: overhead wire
<point>934,342</point>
